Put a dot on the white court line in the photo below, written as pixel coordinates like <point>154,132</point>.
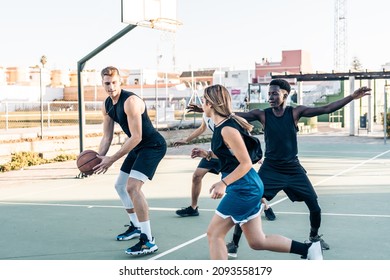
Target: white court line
<point>336,214</point>
<point>90,206</point>
<point>178,247</point>
<point>173,209</point>
<point>276,202</point>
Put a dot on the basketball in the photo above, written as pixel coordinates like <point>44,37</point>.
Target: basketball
<point>87,160</point>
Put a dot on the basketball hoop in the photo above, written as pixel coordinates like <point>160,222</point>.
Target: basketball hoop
<point>155,14</point>
<point>164,24</point>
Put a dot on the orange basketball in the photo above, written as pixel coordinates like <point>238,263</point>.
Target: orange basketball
<point>87,160</point>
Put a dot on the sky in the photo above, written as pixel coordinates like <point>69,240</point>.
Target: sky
<point>214,33</point>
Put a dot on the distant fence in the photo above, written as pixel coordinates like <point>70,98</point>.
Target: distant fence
<point>26,114</point>
<point>55,113</point>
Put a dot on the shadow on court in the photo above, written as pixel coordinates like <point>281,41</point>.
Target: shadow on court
<point>46,213</point>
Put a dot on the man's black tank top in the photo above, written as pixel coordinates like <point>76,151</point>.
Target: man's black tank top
<point>150,136</point>
<point>280,136</point>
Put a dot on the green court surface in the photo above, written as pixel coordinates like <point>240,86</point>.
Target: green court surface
<point>46,213</point>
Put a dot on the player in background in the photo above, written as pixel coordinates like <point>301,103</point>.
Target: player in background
<point>205,165</point>
<point>281,169</point>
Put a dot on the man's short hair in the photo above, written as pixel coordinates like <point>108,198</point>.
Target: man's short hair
<point>283,84</point>
<point>109,71</point>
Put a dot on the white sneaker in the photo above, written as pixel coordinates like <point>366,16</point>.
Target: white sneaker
<point>315,251</point>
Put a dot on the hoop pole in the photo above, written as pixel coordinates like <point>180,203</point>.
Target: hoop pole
<point>80,66</point>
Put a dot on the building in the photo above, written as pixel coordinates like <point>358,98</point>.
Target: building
<point>293,62</point>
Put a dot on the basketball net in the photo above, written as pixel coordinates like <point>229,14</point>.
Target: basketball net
<point>164,24</point>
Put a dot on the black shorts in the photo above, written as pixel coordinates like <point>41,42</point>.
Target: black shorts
<point>145,160</point>
<point>293,181</point>
<point>213,165</point>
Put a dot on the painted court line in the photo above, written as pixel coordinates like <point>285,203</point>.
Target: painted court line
<point>90,206</point>
<point>178,247</point>
<point>172,209</point>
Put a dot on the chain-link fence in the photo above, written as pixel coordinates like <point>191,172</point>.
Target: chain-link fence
<point>54,113</point>
<point>25,114</point>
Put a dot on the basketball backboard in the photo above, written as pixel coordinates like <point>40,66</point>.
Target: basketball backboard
<point>157,14</point>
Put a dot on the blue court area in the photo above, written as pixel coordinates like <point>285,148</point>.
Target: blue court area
<point>46,213</point>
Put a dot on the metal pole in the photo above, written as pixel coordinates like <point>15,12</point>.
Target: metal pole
<point>43,62</point>
<point>166,95</point>
<point>80,66</point>
<point>6,116</point>
<point>41,99</point>
<point>156,102</point>
<point>369,111</point>
<point>352,107</point>
<point>385,115</point>
<point>300,93</point>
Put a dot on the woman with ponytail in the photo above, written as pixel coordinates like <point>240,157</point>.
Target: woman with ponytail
<point>240,188</point>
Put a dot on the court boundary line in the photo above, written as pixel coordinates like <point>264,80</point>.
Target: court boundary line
<point>172,209</point>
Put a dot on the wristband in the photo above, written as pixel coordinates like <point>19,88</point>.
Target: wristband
<point>223,181</point>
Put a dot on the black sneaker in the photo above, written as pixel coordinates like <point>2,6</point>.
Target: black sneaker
<point>188,212</point>
<point>316,238</point>
<point>269,214</point>
<point>143,247</point>
<point>130,233</point>
<point>232,249</point>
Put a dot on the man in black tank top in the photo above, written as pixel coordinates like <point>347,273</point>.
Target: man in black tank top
<point>281,151</point>
<point>144,149</point>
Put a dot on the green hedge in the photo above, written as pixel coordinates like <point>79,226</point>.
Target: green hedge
<point>24,159</point>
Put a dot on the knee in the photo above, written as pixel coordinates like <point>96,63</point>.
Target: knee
<point>213,233</point>
<point>313,206</point>
<point>197,177</point>
<point>121,190</point>
<point>120,187</point>
<point>257,243</point>
<point>315,209</point>
<point>210,233</point>
<point>316,212</point>
<point>131,190</point>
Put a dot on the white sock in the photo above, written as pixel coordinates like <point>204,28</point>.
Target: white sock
<point>134,219</point>
<point>146,229</point>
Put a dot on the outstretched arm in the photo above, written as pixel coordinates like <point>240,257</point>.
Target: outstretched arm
<point>252,115</point>
<point>202,128</point>
<point>194,108</point>
<point>303,111</point>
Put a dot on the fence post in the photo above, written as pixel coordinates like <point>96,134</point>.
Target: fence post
<point>48,113</point>
<point>6,115</point>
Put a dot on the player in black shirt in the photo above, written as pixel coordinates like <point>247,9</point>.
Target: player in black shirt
<point>281,169</point>
<point>144,149</point>
<point>240,188</point>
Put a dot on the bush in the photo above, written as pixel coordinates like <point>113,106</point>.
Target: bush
<point>23,159</point>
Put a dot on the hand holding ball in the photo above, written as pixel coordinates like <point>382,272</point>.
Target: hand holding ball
<point>87,160</point>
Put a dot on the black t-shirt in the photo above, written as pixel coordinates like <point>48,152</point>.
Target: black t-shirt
<point>150,135</point>
<point>280,136</point>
